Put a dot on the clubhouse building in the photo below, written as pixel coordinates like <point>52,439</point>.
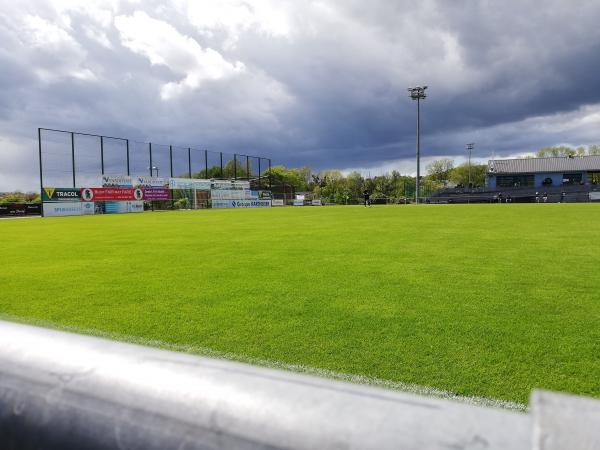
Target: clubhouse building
<point>543,172</point>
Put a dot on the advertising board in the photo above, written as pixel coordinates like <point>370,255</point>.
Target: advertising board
<point>149,182</point>
<point>122,181</point>
<point>277,202</point>
<point>190,183</point>
<point>317,202</point>
<point>298,202</point>
<point>594,196</point>
<point>111,194</point>
<point>53,209</point>
<point>88,208</point>
<point>241,203</point>
<point>50,194</point>
<point>136,207</point>
<point>156,194</point>
<point>20,209</point>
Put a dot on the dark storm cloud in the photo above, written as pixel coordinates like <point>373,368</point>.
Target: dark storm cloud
<point>306,83</point>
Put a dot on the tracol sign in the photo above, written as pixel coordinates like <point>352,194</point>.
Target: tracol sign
<point>50,194</point>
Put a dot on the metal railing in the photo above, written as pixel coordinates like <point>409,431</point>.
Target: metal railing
<point>64,391</point>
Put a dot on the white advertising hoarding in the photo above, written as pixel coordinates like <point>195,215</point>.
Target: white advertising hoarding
<point>317,202</point>
<point>594,196</point>
<point>241,203</point>
<point>190,183</point>
<point>277,202</point>
<point>298,202</point>
<point>149,182</point>
<point>54,209</point>
<point>135,206</point>
<point>123,181</point>
<point>88,208</point>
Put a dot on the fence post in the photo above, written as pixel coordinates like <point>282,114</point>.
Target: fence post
<point>127,146</point>
<point>73,155</point>
<point>190,162</point>
<point>41,170</point>
<point>102,154</point>
<point>150,153</point>
<point>171,159</point>
<point>205,164</point>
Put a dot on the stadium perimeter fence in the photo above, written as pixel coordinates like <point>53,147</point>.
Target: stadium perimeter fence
<point>73,160</point>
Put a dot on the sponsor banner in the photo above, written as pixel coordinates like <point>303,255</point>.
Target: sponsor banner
<point>20,209</point>
<point>277,202</point>
<point>88,208</point>
<point>136,207</point>
<point>149,182</point>
<point>50,194</point>
<point>62,209</point>
<point>111,194</point>
<point>226,184</point>
<point>241,203</point>
<point>232,194</point>
<point>264,194</point>
<point>156,194</point>
<point>298,202</point>
<point>122,181</point>
<point>594,196</point>
<point>317,202</point>
<point>116,207</point>
<point>187,183</point>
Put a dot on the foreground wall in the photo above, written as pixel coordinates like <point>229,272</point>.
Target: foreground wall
<point>59,390</point>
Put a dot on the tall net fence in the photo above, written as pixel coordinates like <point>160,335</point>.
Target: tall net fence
<point>77,160</point>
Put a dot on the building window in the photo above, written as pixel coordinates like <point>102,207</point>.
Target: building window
<point>572,178</point>
<point>508,181</point>
<point>594,177</point>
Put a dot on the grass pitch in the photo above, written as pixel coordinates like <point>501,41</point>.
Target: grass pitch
<point>488,300</point>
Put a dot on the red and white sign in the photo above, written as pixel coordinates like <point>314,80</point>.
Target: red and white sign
<point>111,194</point>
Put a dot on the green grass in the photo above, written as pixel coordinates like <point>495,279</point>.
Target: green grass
<point>490,300</point>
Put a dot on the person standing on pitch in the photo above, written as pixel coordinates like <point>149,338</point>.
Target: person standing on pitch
<point>367,197</point>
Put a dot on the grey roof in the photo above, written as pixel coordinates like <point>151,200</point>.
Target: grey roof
<point>536,165</point>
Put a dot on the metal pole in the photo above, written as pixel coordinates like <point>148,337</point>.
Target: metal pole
<point>234,166</point>
<point>73,156</point>
<point>270,180</point>
<point>190,162</point>
<point>171,158</point>
<point>102,154</point>
<point>205,163</point>
<point>418,150</point>
<point>247,167</point>
<point>127,146</point>
<point>470,148</point>
<point>221,155</point>
<point>259,177</point>
<point>150,153</point>
<point>41,171</point>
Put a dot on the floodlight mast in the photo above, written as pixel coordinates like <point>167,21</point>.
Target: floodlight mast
<point>470,148</point>
<point>418,93</point>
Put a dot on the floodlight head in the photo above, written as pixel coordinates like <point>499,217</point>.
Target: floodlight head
<point>417,92</point>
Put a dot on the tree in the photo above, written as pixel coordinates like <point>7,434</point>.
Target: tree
<point>460,174</point>
<point>593,149</point>
<point>439,170</point>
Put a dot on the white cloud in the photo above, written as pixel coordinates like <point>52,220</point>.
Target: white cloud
<point>162,44</point>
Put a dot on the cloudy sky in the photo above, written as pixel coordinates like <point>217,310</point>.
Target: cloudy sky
<point>318,83</point>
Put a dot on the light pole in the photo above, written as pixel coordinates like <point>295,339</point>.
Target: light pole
<point>152,169</point>
<point>470,149</point>
<point>417,93</point>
